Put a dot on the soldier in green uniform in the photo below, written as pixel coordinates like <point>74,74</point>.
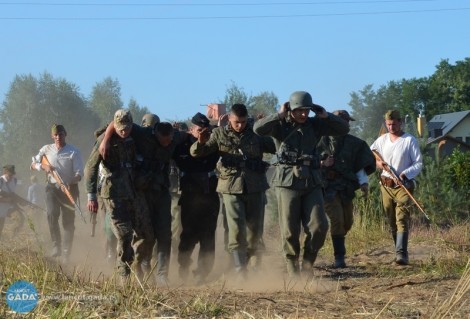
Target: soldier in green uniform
<point>242,181</point>
<point>117,189</point>
<point>155,147</point>
<point>346,161</point>
<point>297,176</point>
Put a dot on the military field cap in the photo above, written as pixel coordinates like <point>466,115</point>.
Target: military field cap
<point>150,119</point>
<point>392,115</point>
<point>57,128</point>
<point>344,115</point>
<point>122,119</point>
<point>200,120</point>
<point>9,168</point>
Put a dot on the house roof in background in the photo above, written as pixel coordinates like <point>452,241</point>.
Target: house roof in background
<point>447,121</point>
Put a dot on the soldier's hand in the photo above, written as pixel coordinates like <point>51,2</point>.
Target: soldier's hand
<point>222,119</point>
<point>283,109</point>
<point>47,168</point>
<point>204,136</point>
<point>365,189</point>
<point>321,112</point>
<point>92,206</point>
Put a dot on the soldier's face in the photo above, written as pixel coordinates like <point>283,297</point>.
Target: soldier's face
<point>393,126</point>
<point>238,124</point>
<point>196,130</point>
<point>300,115</point>
<point>59,138</point>
<point>124,132</point>
<point>164,140</point>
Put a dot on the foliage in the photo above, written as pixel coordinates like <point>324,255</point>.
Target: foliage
<point>262,104</point>
<point>446,91</point>
<point>31,107</point>
<point>105,99</point>
<point>137,111</point>
<point>457,168</point>
<point>442,202</point>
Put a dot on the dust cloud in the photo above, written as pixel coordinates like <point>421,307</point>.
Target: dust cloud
<point>89,256</point>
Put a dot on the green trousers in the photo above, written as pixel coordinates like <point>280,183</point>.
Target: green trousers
<point>245,218</point>
<point>340,212</point>
<point>397,206</point>
<point>301,210</point>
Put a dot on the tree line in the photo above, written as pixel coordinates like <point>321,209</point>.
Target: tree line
<point>32,105</point>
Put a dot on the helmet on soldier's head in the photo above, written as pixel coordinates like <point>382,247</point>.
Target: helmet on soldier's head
<point>300,99</point>
<point>150,119</point>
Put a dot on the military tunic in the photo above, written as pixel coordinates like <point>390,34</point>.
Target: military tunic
<point>298,182</point>
<point>351,155</point>
<point>242,182</point>
<point>153,182</point>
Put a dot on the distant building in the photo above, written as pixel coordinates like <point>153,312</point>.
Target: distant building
<point>448,131</point>
<point>214,111</point>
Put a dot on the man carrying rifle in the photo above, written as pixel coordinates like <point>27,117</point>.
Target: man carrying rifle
<point>297,176</point>
<point>401,161</point>
<point>66,160</point>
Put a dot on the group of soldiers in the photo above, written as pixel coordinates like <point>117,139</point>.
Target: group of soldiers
<point>317,168</point>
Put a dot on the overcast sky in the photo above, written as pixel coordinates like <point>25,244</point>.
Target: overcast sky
<point>176,56</point>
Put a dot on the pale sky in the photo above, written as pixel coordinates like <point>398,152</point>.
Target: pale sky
<point>177,56</point>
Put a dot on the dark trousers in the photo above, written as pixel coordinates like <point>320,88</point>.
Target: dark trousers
<point>160,214</point>
<point>56,203</point>
<point>199,214</point>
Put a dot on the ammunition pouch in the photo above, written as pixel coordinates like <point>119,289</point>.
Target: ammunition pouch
<point>292,158</point>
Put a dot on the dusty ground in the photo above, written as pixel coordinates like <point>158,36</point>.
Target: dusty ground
<point>371,287</point>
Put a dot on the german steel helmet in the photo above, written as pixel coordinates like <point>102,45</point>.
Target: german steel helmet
<point>300,99</point>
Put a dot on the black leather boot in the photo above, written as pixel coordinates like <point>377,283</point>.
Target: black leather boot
<point>339,251</point>
<point>401,249</point>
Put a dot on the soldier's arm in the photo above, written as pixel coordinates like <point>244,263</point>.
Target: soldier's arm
<point>104,145</point>
<point>269,125</point>
<point>91,177</point>
<point>204,149</point>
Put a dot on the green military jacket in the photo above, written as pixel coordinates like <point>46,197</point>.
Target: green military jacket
<point>240,149</point>
<point>351,154</point>
<point>117,169</point>
<point>154,159</point>
<point>300,140</point>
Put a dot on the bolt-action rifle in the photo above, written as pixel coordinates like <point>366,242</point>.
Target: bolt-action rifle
<point>389,169</point>
<point>62,185</point>
<point>17,199</point>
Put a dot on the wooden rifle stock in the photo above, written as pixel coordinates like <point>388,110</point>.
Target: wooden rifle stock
<point>63,187</point>
<point>398,181</point>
